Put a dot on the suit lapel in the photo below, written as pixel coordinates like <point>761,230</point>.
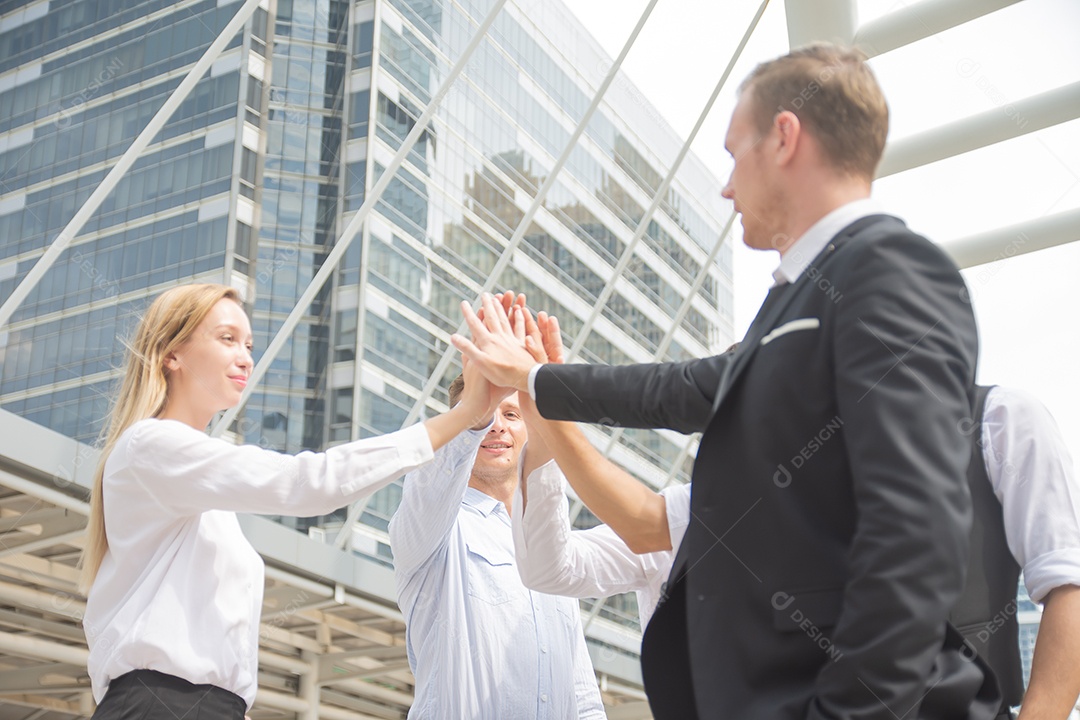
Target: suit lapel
<point>774,306</point>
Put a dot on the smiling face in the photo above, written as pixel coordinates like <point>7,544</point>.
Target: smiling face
<point>497,458</point>
<point>208,373</point>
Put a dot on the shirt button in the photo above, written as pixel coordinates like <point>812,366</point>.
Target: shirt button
<point>543,698</point>
<point>543,648</point>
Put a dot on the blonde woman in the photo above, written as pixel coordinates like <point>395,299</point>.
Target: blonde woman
<point>174,588</point>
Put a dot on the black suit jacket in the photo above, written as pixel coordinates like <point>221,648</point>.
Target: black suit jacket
<point>830,511</point>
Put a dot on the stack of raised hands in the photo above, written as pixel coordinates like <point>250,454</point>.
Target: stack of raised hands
<point>507,346</point>
<point>507,341</point>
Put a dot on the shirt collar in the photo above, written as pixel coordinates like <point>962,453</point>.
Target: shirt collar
<point>484,503</point>
<point>813,241</point>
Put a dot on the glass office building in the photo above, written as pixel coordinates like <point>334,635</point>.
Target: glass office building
<point>256,175</point>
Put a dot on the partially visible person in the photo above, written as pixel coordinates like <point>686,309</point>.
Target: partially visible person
<point>480,644</point>
<point>174,588</point>
<point>601,561</point>
<point>553,558</point>
<point>1025,496</point>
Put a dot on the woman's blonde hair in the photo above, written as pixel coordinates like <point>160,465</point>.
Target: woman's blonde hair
<point>167,324</point>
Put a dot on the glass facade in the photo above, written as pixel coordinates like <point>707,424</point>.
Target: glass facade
<point>264,165</point>
<point>1028,616</point>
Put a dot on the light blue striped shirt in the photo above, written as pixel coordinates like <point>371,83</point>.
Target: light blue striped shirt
<point>481,645</point>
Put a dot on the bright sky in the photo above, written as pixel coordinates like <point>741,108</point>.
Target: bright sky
<point>1027,307</point>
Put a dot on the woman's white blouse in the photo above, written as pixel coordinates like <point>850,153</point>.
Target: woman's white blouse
<point>180,588</point>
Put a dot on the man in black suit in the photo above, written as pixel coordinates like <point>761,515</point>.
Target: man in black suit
<point>830,512</point>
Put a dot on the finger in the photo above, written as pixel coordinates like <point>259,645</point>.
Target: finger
<point>532,330</point>
<point>495,318</point>
<point>536,350</point>
<point>506,299</point>
<point>553,341</point>
<point>476,325</point>
<point>519,325</point>
<point>520,301</point>
<point>507,316</point>
<point>488,305</point>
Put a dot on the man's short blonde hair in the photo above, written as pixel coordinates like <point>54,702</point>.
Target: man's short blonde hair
<point>456,388</point>
<point>836,97</point>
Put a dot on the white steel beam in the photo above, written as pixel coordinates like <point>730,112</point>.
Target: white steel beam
<point>993,126</point>
<point>35,648</point>
<point>293,704</point>
<point>309,686</point>
<point>1007,242</point>
<point>919,21</point>
<point>356,223</point>
<point>42,492</point>
<point>282,662</point>
<point>48,539</point>
<point>57,603</point>
<point>75,225</point>
<point>49,679</point>
<point>337,592</point>
<point>811,21</point>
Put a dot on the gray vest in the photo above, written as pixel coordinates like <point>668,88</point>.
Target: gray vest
<point>986,613</point>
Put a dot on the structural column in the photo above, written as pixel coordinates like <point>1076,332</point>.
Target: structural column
<point>820,21</point>
<point>309,686</point>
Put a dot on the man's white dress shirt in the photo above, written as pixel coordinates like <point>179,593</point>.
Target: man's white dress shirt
<point>809,245</point>
<point>480,644</point>
<point>1026,459</point>
<point>553,558</point>
<point>1035,481</point>
<point>180,588</point>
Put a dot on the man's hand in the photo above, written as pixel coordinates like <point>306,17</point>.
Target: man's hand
<point>497,347</point>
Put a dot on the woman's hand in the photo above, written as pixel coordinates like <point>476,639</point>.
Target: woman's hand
<point>479,399</point>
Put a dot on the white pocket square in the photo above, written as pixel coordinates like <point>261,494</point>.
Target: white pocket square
<point>792,326</point>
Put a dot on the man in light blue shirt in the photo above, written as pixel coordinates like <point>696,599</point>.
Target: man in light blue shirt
<point>480,644</point>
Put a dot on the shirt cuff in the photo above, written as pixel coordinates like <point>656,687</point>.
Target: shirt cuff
<point>1052,570</point>
<point>548,477</point>
<point>465,444</point>
<point>532,380</point>
<point>416,445</point>
<point>481,431</point>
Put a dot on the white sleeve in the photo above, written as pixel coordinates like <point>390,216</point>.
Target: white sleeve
<point>1034,478</point>
<point>532,380</point>
<point>431,500</point>
<point>554,559</point>
<point>590,706</point>
<point>188,472</point>
<point>677,498</point>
